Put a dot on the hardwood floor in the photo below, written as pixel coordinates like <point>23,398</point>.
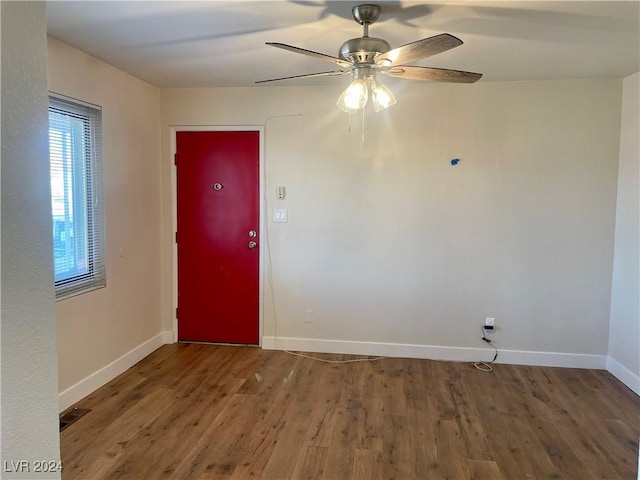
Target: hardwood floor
<point>204,411</point>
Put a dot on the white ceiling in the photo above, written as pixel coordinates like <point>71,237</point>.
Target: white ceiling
<point>222,43</point>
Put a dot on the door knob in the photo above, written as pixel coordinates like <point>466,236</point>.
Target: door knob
<point>252,244</point>
<point>252,234</point>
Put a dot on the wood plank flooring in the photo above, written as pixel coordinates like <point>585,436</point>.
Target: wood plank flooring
<point>220,412</point>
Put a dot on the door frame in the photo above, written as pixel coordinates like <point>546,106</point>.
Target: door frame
<point>173,130</point>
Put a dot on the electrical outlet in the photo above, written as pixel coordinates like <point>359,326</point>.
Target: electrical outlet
<point>489,323</point>
<point>308,316</point>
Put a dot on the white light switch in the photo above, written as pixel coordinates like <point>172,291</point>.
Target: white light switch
<point>280,215</point>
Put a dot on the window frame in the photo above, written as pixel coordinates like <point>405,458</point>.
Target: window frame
<point>85,172</point>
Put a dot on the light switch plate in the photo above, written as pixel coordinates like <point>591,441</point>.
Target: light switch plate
<point>280,215</point>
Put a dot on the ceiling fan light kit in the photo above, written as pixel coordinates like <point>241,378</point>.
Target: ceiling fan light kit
<point>366,56</point>
<point>382,96</point>
<point>354,97</point>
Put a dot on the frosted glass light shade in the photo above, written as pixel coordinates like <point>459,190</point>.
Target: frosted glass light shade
<point>354,97</point>
<point>382,96</point>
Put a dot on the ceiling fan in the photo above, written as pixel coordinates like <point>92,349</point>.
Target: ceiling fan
<point>366,56</point>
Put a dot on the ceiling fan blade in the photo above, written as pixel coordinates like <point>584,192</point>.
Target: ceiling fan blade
<point>419,49</point>
<point>307,75</point>
<point>433,74</point>
<point>309,53</point>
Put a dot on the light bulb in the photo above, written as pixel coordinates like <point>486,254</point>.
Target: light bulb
<point>354,97</point>
<point>382,96</point>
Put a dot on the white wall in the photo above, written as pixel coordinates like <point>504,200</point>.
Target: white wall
<point>624,333</point>
<point>388,244</point>
<point>98,328</point>
<point>29,377</point>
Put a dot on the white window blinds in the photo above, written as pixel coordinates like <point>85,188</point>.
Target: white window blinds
<point>76,196</point>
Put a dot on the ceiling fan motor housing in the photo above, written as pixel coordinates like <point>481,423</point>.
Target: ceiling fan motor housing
<point>363,50</point>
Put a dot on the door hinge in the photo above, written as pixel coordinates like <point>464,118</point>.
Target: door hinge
<point>176,237</point>
<point>175,159</point>
<point>176,312</point>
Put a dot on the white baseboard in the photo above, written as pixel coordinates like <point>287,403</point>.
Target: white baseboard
<point>623,374</point>
<point>107,373</point>
<point>168,337</point>
<point>434,352</point>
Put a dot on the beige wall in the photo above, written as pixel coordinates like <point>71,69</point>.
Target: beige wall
<point>388,243</point>
<point>96,328</point>
<point>624,336</point>
<point>30,428</point>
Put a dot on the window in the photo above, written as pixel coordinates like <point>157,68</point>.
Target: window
<point>76,196</point>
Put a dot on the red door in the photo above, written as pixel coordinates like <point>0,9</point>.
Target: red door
<point>218,236</point>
